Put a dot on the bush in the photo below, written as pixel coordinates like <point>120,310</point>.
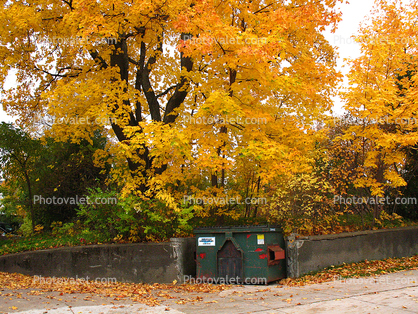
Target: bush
<point>26,228</point>
<point>133,219</point>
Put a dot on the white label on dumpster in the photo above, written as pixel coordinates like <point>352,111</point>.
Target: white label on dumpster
<point>260,239</point>
<point>207,241</point>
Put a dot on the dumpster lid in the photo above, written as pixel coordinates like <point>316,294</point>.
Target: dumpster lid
<point>242,228</point>
<point>275,248</point>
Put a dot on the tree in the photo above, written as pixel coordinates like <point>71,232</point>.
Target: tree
<point>387,114</point>
<point>410,175</point>
<point>347,155</point>
<point>18,154</point>
<point>303,203</point>
<point>67,171</point>
<point>61,170</point>
<point>186,87</point>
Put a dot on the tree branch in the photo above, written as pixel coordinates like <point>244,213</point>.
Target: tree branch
<point>166,91</point>
<point>144,71</point>
<point>181,89</point>
<point>98,59</point>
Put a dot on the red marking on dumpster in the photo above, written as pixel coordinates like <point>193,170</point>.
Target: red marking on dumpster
<point>202,255</point>
<point>263,256</point>
<point>248,235</point>
<point>258,250</point>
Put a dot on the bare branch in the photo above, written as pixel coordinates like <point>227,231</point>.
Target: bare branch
<point>166,91</point>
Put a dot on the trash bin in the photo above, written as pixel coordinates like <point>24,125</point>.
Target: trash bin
<point>242,255</point>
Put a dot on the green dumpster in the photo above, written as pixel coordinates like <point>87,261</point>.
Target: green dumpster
<point>242,255</point>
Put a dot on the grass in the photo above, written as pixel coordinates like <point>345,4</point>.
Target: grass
<point>16,244</point>
<point>347,222</point>
<point>367,222</point>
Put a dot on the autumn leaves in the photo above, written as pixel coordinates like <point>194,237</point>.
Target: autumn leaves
<point>382,94</point>
<point>171,64</point>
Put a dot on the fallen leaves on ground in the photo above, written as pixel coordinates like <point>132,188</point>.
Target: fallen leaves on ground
<point>149,294</point>
<point>355,270</point>
<point>153,294</point>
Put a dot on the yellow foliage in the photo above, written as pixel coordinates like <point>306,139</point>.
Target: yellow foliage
<point>38,229</point>
<point>186,92</point>
<point>382,94</point>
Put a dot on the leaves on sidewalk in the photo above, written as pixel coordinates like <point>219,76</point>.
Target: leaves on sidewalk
<point>356,270</point>
<point>149,294</point>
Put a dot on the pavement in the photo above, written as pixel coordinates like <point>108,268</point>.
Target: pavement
<point>390,293</point>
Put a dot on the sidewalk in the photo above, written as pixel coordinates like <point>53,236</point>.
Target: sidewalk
<point>391,293</point>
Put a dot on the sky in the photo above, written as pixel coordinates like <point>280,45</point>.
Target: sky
<point>353,14</point>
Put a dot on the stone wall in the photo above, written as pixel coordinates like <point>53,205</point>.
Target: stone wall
<point>307,254</point>
<point>138,262</point>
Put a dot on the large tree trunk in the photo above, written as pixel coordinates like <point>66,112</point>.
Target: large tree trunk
<point>32,212</point>
<point>120,58</point>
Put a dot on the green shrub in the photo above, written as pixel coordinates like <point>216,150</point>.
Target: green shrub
<point>132,219</point>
